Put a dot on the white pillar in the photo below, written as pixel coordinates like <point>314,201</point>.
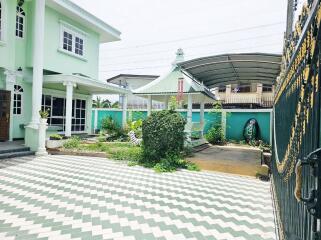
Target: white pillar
<point>149,105</point>
<point>124,118</point>
<point>166,102</point>
<point>10,81</point>
<point>223,122</point>
<point>69,95</point>
<point>38,56</point>
<point>42,127</point>
<point>89,104</point>
<point>96,120</point>
<point>189,108</point>
<point>202,117</point>
<point>189,115</point>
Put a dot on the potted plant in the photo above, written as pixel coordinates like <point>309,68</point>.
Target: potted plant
<point>44,114</point>
<point>55,141</point>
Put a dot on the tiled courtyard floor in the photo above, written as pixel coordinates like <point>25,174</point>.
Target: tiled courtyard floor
<point>64,197</point>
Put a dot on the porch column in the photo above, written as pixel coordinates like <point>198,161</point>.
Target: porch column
<point>189,115</point>
<point>89,104</point>
<point>38,56</point>
<point>223,122</point>
<point>10,81</point>
<point>69,94</point>
<point>259,92</point>
<point>149,105</point>
<point>124,118</point>
<point>202,117</point>
<point>166,102</point>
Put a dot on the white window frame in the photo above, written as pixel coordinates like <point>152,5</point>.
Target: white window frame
<point>75,32</point>
<point>21,99</point>
<point>18,14</point>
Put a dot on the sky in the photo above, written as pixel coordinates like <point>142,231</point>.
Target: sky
<point>152,31</point>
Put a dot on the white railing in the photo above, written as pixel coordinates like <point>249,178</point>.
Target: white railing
<point>248,98</point>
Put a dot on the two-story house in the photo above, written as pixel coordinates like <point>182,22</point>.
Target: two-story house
<point>49,51</point>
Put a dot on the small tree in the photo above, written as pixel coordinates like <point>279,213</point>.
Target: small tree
<point>163,135</point>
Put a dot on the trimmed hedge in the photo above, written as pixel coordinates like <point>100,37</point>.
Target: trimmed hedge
<point>163,135</point>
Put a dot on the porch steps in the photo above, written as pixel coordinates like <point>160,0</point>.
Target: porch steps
<point>16,152</point>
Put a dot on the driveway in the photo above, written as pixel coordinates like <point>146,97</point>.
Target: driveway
<point>229,159</point>
<point>65,197</point>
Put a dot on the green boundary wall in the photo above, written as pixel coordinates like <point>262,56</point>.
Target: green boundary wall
<point>235,120</point>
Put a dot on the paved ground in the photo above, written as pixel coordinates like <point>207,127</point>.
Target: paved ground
<point>230,159</point>
<point>64,197</point>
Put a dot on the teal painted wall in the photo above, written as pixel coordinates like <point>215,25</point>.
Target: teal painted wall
<point>235,121</point>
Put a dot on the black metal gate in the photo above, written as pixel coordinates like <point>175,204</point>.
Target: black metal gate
<point>296,172</point>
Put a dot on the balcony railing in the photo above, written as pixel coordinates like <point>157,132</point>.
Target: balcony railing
<point>265,101</point>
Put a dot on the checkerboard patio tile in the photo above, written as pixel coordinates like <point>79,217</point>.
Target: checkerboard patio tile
<point>65,197</point>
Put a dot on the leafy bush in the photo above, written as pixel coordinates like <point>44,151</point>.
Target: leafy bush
<point>55,137</point>
<point>172,162</point>
<point>133,154</point>
<point>136,126</point>
<point>163,134</point>
<point>73,142</point>
<point>215,135</point>
<point>115,132</point>
<point>108,124</point>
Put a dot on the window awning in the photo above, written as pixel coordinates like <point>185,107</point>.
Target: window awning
<point>84,85</point>
<point>242,68</point>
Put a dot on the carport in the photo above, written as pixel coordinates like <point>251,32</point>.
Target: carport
<point>237,68</point>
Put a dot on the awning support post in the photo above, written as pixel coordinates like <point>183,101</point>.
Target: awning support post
<point>69,94</point>
<point>149,105</point>
<point>124,107</point>
<point>189,114</point>
<point>202,118</point>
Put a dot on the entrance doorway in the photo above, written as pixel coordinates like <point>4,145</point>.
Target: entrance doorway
<point>5,98</point>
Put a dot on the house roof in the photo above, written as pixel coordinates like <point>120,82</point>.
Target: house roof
<point>84,84</point>
<point>131,76</point>
<point>168,85</point>
<point>68,8</point>
<point>234,68</point>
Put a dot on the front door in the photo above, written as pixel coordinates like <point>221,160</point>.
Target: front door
<point>5,97</point>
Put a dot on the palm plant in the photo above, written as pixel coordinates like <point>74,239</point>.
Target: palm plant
<point>101,103</point>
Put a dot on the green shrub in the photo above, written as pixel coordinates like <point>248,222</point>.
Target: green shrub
<point>115,132</point>
<point>172,162</point>
<point>133,154</point>
<point>163,134</point>
<point>109,125</point>
<point>215,135</point>
<point>136,126</point>
<point>73,142</point>
<point>55,137</point>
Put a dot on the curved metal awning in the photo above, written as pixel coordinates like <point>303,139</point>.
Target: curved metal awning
<point>242,68</point>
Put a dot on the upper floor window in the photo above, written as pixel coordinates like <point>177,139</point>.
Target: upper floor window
<point>72,40</point>
<point>17,100</point>
<point>20,21</point>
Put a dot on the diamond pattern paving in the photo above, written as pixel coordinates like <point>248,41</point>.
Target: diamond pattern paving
<point>64,197</point>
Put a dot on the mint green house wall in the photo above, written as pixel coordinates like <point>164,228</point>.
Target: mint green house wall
<point>17,53</point>
<point>7,46</point>
<point>54,56</point>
